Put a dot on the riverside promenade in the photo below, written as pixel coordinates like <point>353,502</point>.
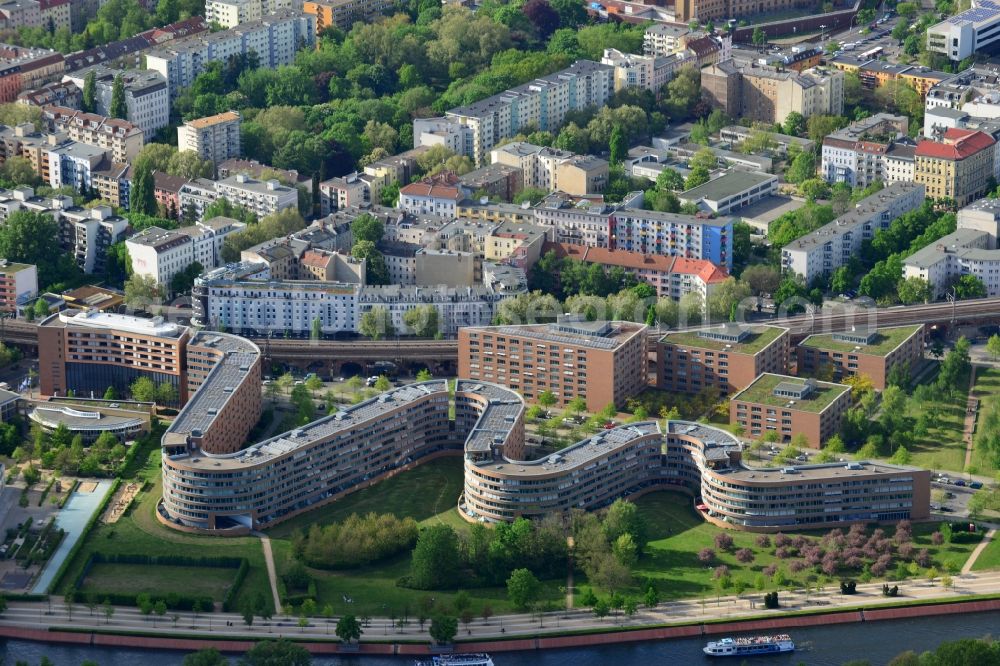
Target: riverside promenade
<point>186,631</point>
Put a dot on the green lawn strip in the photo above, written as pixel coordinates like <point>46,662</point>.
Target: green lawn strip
<point>137,578</point>
<point>987,390</point>
<point>942,447</point>
<point>989,558</point>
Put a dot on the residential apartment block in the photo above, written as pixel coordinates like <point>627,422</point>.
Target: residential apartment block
<point>553,169</point>
<point>725,359</point>
<point>63,93</point>
<point>275,39</point>
<point>260,197</point>
<point>672,277</point>
<point>232,13</point>
<point>437,195</point>
<point>24,68</point>
<point>642,71</point>
<point>18,283</point>
<point>146,95</point>
<point>768,95</point>
<point>858,154</point>
<point>343,14</point>
<point>867,351</point>
<point>668,234</point>
<point>603,362</point>
<point>832,245</point>
<point>215,138</point>
<point>127,53</point>
<point>120,139</point>
<point>958,167</point>
<point>790,406</point>
<point>473,130</point>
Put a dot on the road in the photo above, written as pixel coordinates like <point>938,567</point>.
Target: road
<point>39,614</point>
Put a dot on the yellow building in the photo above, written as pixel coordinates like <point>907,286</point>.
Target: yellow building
<point>958,167</point>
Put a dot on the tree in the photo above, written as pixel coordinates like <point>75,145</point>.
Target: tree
<point>143,389</point>
<point>382,384</point>
<point>546,398</point>
<point>89,104</point>
<point>913,290</point>
<point>205,657</point>
<point>522,588</point>
<point>542,16</point>
<point>993,346</point>
<point>376,323</point>
<point>443,629</point>
<point>41,309</point>
<point>617,145</point>
<point>272,653</point>
<point>118,108</point>
<point>758,38</point>
<point>803,167</point>
<point>33,238</point>
<point>142,198</point>
<point>18,171</point>
<point>969,286</point>
<point>436,560</point>
<point>141,291</point>
<point>725,300</point>
<point>761,278</point>
<point>367,227</point>
<point>376,270</point>
<point>348,629</point>
<point>423,321</point>
<point>794,124</point>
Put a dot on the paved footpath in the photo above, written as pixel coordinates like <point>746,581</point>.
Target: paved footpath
<point>971,410</point>
<point>272,576</point>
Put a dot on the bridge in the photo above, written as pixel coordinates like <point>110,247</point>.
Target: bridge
<point>320,353</point>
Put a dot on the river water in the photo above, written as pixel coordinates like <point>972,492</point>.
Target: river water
<point>878,642</point>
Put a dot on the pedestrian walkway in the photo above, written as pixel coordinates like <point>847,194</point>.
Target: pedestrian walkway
<point>271,575</point>
<point>969,563</point>
<point>971,412</point>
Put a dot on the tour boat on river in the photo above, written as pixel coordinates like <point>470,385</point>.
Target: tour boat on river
<point>458,660</point>
<point>752,645</point>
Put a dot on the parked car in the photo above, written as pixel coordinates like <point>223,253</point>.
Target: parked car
<point>959,482</point>
<point>976,485</point>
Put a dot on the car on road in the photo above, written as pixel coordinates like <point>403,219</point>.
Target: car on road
<point>959,482</point>
<point>946,509</point>
<point>975,485</point>
<point>371,381</point>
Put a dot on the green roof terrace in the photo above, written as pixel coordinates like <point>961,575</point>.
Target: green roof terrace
<point>882,342</point>
<point>753,340</point>
<point>762,392</point>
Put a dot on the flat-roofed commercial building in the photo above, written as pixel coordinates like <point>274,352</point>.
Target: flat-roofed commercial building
<point>603,362</point>
<point>88,351</point>
<point>871,352</point>
<point>791,406</point>
<point>961,35</point>
<point>727,194</point>
<point>726,358</point>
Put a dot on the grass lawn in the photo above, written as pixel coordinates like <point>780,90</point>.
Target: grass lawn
<point>676,534</point>
<point>136,578</point>
<point>139,532</point>
<point>942,447</point>
<point>989,558</point>
<point>987,390</point>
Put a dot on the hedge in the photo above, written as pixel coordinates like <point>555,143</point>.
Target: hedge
<point>64,567</point>
<point>174,601</point>
<point>62,502</point>
<point>45,493</point>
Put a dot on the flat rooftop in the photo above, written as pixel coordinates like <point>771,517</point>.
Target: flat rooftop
<point>77,419</point>
<point>588,334</point>
<point>758,337</point>
<point>886,339</point>
<point>761,391</point>
<point>155,327</point>
<point>727,185</point>
<point>830,473</point>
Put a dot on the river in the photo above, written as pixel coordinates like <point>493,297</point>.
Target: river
<point>877,642</point>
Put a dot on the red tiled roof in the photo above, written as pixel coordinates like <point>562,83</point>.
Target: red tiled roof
<point>957,144</point>
<point>431,190</point>
<point>316,259</point>
<point>704,269</point>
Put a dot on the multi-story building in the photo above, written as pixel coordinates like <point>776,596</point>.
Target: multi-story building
<point>564,359</point>
<point>246,298</point>
<point>26,69</point>
<point>438,195</point>
<point>72,164</point>
<point>735,134</point>
<point>343,14</point>
<point>275,39</point>
<point>16,14</point>
<point>127,53</point>
<point>965,33</point>
<point>146,95</point>
<point>731,191</point>
<point>958,167</point>
<point>195,196</point>
<point>215,138</point>
<point>553,169</point>
<point>672,277</point>
<point>121,139</point>
<point>167,193</point>
<point>18,283</point>
<point>640,71</point>
<point>663,39</point>
<point>232,13</point>
<point>206,483</point>
<point>255,169</point>
<point>857,154</point>
<point>88,351</point>
<point>790,406</point>
<point>723,10</point>
<point>64,93</point>
<point>832,245</point>
<point>543,103</point>
<point>962,252</point>
<point>725,359</point>
<point>495,180</point>
<point>55,14</point>
<point>88,233</point>
<point>768,95</point>
<point>262,198</point>
<point>867,351</point>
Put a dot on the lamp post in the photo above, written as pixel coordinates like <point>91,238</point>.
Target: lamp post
<point>952,298</point>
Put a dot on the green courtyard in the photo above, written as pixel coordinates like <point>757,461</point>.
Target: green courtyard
<point>121,578</point>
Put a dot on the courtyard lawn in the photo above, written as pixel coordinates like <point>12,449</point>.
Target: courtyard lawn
<point>427,493</point>
<point>987,390</point>
<point>677,534</point>
<point>137,578</point>
<point>139,532</point>
<point>990,557</point>
<point>942,447</point>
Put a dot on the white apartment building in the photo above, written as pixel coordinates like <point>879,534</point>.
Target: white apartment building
<point>542,103</point>
<point>121,139</point>
<point>965,33</point>
<point>832,245</point>
<point>857,154</point>
<point>275,39</point>
<point>662,39</point>
<point>640,71</point>
<point>553,169</point>
<point>245,299</point>
<point>89,234</point>
<point>348,191</point>
<point>161,254</point>
<point>146,95</point>
<point>215,138</point>
<point>261,197</point>
<point>231,13</point>
<point>432,196</point>
<point>197,194</point>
